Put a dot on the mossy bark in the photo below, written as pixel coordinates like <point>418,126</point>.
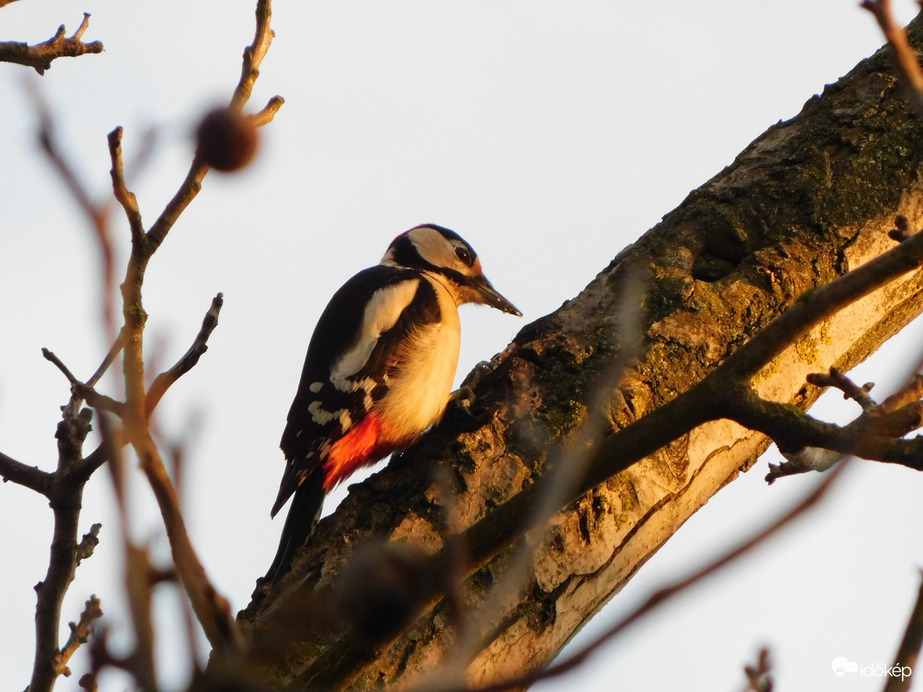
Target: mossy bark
<point>807,201</point>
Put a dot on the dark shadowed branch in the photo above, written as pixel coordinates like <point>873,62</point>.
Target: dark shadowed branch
<point>908,653</point>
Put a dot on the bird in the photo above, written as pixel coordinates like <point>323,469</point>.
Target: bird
<point>378,370</point>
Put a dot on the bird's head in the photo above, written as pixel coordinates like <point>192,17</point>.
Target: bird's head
<point>441,251</point>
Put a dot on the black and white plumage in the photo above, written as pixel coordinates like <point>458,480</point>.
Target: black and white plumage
<point>378,371</point>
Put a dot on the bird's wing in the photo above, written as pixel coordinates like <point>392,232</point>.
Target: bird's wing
<point>346,368</point>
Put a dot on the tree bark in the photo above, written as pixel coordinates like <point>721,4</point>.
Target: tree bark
<point>809,200</point>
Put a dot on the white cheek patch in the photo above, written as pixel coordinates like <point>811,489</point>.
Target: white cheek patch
<point>381,313</point>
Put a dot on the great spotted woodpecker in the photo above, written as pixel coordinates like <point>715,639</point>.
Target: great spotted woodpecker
<point>378,371</point>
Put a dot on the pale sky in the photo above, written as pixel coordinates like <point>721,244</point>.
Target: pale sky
<point>549,135</point>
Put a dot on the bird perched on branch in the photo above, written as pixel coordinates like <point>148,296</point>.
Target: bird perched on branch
<point>378,371</point>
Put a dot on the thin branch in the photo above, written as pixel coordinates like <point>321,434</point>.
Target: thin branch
<point>908,652</point>
<point>253,57</point>
<point>211,608</point>
<point>40,56</point>
<point>51,357</point>
<point>84,392</point>
<point>101,402</point>
<point>269,111</point>
<point>80,634</point>
<point>137,572</point>
<point>117,346</point>
<point>906,62</point>
<point>125,197</point>
<point>31,477</point>
<point>166,379</point>
<point>759,677</point>
<point>96,214</point>
<point>850,389</point>
<point>912,391</point>
<point>87,466</point>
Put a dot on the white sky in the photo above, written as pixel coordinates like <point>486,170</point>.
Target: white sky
<point>550,135</point>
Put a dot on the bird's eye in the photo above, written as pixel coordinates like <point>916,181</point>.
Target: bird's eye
<point>463,254</point>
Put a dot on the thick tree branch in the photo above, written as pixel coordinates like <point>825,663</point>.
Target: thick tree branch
<point>667,593</point>
<point>807,202</point>
<point>40,56</point>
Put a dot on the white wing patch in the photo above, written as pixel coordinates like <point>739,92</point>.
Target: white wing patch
<point>381,313</point>
<point>322,416</point>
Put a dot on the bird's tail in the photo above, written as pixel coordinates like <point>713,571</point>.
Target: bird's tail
<point>303,514</point>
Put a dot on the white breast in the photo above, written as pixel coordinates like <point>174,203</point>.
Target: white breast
<point>419,391</point>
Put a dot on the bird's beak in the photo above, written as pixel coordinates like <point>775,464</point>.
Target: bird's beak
<point>487,295</point>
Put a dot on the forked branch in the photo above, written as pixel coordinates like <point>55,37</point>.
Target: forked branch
<point>41,55</point>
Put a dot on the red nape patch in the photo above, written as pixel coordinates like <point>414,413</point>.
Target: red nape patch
<point>352,451</point>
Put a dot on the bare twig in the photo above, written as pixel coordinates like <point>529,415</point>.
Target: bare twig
<point>811,445</point>
<point>80,633</point>
<point>911,392</point>
<point>65,486</point>
<point>40,56</point>
<point>166,379</point>
<point>759,677</point>
<point>22,474</point>
<point>51,357</point>
<point>211,608</point>
<point>850,389</point>
<point>122,194</point>
<point>908,652</point>
<point>253,57</point>
<point>97,214</point>
<point>107,361</point>
<point>269,111</point>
